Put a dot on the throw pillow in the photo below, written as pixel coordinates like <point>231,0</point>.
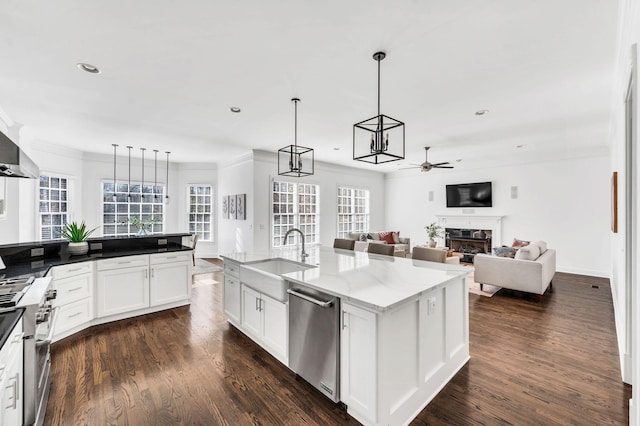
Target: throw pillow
<point>542,245</point>
<point>387,237</point>
<point>519,243</point>
<point>362,237</point>
<point>530,252</point>
<point>396,237</point>
<point>502,251</point>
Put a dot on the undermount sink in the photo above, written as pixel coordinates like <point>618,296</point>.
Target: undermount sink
<point>265,276</point>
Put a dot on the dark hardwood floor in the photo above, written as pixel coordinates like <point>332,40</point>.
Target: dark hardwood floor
<point>532,363</point>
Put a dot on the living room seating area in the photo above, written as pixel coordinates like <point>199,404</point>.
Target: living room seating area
<point>402,245</point>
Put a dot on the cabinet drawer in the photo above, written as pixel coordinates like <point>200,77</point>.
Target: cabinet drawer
<point>232,268</point>
<point>72,269</point>
<point>73,314</point>
<point>72,289</point>
<point>178,256</point>
<point>123,262</point>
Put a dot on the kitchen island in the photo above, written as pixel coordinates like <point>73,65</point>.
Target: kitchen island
<point>403,328</point>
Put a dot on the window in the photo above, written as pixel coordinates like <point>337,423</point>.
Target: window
<point>53,206</point>
<point>353,211</point>
<point>295,205</point>
<point>138,211</point>
<point>200,211</point>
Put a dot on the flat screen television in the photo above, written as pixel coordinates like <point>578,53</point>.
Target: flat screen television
<point>469,195</point>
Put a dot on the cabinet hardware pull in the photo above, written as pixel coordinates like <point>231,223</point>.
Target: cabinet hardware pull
<point>344,320</point>
<point>74,270</point>
<point>74,315</point>
<point>75,289</point>
<point>257,307</point>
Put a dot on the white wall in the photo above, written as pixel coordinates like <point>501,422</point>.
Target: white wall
<point>236,177</point>
<point>629,34</point>
<point>565,203</point>
<point>329,177</point>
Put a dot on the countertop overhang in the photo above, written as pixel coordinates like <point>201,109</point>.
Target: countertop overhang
<point>370,280</point>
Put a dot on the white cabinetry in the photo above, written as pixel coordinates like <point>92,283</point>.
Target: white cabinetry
<point>393,362</point>
<point>232,292</point>
<point>123,285</point>
<point>358,349</point>
<point>74,286</point>
<point>170,278</point>
<point>11,389</point>
<point>265,320</point>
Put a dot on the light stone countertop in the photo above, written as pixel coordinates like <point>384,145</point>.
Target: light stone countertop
<point>373,281</point>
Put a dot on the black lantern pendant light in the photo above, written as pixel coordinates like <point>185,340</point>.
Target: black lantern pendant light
<point>295,160</point>
<point>379,139</point>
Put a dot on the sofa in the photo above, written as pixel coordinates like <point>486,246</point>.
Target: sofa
<point>530,270</point>
<point>402,245</point>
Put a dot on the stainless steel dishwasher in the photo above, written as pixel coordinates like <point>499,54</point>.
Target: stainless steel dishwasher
<point>314,343</point>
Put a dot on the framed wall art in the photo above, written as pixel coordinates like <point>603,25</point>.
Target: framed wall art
<point>241,200</point>
<point>225,207</point>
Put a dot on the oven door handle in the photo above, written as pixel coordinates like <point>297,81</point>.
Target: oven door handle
<point>52,328</point>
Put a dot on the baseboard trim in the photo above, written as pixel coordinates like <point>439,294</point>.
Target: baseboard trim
<point>588,272</point>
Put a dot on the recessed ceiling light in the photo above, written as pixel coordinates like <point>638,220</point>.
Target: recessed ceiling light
<point>482,111</point>
<point>337,148</point>
<point>88,68</point>
<point>519,146</point>
<point>458,160</point>
<point>235,109</point>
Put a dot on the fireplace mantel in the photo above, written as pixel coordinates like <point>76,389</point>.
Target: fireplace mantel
<point>493,223</point>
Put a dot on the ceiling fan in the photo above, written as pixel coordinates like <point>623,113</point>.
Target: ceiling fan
<point>426,166</point>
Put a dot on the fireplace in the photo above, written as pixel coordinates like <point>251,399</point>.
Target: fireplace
<point>470,234</point>
<point>468,242</point>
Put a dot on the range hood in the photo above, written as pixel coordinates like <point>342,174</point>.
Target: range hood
<point>14,162</point>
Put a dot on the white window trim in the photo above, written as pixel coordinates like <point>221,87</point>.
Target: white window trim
<point>213,209</point>
<point>271,218</point>
<point>362,188</point>
<point>70,200</point>
<point>132,182</point>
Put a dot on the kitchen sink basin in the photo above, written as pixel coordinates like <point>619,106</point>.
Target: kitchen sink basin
<point>265,276</point>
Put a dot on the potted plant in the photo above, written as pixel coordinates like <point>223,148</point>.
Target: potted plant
<point>77,236</point>
<point>143,226</point>
<point>434,231</point>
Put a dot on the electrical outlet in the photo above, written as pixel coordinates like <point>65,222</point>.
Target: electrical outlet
<point>162,241</point>
<point>431,305</point>
<point>95,246</point>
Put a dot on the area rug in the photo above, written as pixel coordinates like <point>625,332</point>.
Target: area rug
<point>487,290</point>
<point>204,267</point>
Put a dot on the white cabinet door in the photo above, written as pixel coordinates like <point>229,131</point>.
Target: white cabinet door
<point>232,298</point>
<point>251,311</point>
<point>358,361</point>
<point>122,290</point>
<point>170,282</point>
<point>275,324</point>
<point>11,392</point>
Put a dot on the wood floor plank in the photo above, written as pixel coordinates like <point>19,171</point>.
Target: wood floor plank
<point>532,363</point>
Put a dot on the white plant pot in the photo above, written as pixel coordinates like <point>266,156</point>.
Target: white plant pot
<point>76,249</point>
<point>432,243</point>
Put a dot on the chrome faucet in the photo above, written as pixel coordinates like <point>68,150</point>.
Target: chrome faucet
<point>304,254</point>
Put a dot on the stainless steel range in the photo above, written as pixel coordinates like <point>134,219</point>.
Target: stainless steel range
<point>34,296</point>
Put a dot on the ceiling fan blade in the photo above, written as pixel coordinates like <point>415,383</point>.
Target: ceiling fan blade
<point>442,167</point>
<point>406,168</point>
<point>439,164</point>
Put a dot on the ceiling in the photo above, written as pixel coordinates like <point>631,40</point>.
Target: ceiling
<point>171,70</point>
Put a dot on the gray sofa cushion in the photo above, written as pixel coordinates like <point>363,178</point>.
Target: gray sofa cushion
<point>530,252</point>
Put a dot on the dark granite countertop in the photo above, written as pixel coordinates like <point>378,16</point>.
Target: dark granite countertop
<point>39,266</point>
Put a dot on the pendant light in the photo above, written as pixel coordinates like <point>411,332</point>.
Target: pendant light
<point>166,196</point>
<point>295,160</point>
<point>129,187</point>
<point>115,145</point>
<point>142,184</point>
<point>379,139</point>
<point>155,173</point>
